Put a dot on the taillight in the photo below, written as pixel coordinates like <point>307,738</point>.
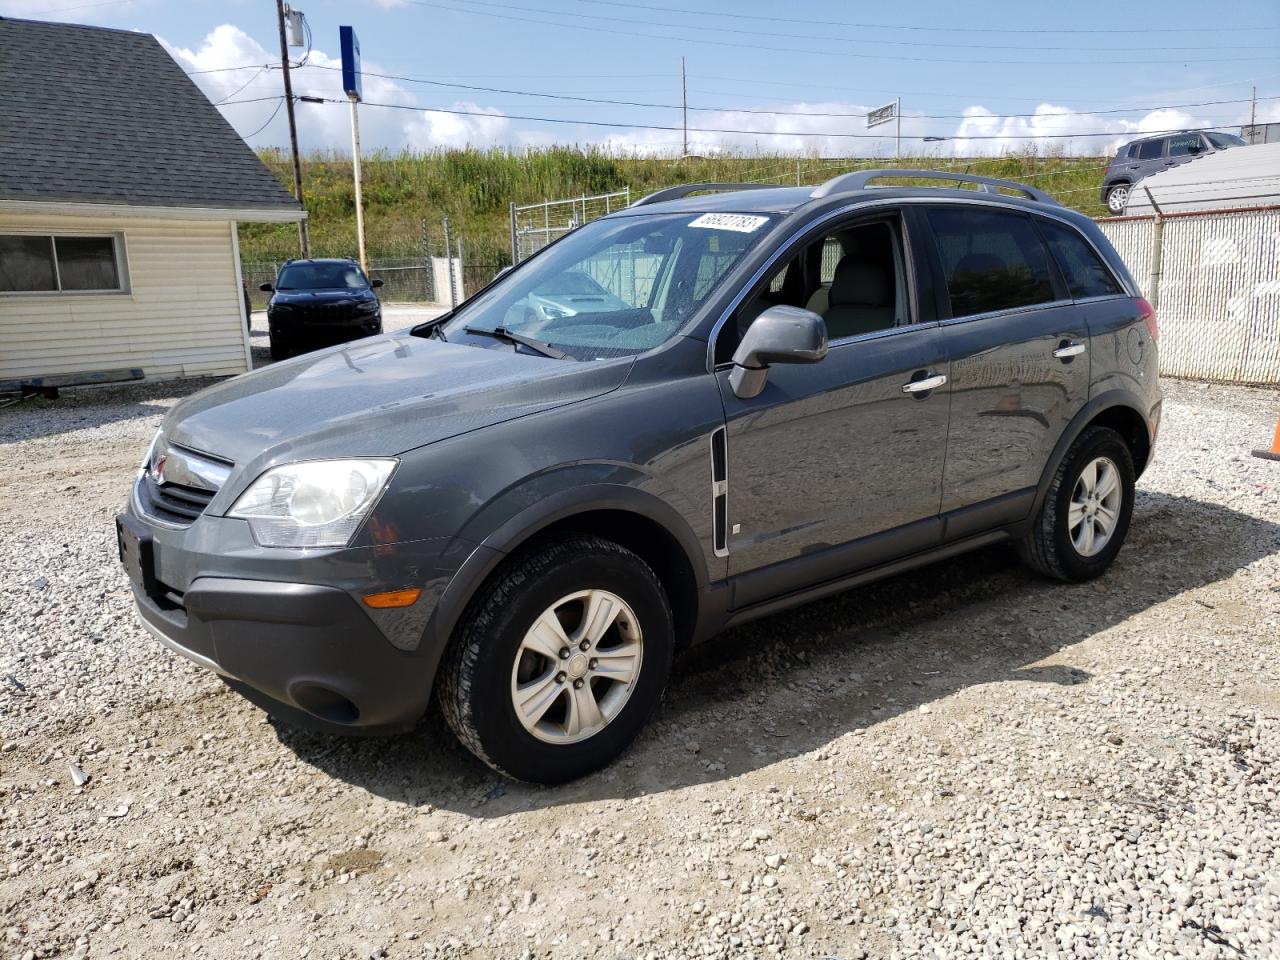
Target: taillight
<point>1149,318</point>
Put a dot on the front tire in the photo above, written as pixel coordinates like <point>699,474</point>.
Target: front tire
<point>559,661</point>
<point>1086,512</point>
<point>280,348</point>
<point>1117,197</point>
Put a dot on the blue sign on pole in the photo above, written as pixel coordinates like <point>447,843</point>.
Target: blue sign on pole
<point>350,62</point>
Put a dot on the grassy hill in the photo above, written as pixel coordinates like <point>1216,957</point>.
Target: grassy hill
<point>473,188</point>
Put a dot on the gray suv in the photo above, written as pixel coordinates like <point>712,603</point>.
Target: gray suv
<point>1142,158</point>
<point>527,514</point>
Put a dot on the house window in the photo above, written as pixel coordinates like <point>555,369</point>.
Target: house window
<point>35,263</point>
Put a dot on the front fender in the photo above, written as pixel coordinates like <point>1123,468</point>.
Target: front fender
<point>527,509</point>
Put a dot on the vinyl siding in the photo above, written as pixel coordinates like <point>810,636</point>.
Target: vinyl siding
<point>180,318</point>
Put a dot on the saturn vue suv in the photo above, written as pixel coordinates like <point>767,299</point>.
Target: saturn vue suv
<point>785,393</point>
<point>320,302</point>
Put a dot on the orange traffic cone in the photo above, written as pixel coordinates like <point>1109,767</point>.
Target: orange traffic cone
<point>1274,452</point>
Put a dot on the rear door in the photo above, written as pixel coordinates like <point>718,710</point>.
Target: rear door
<point>1018,349</point>
<point>1149,158</point>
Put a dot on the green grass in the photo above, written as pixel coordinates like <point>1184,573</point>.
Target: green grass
<point>473,188</point>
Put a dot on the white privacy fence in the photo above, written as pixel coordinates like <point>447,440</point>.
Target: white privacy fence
<point>1215,287</point>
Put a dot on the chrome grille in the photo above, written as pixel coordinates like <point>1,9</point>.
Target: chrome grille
<point>173,502</point>
<point>176,486</point>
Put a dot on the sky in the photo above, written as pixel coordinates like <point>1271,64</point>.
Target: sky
<point>762,77</point>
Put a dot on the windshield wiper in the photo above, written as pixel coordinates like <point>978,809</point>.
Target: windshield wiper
<point>502,333</point>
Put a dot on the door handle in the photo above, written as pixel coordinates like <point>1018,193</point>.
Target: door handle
<point>1068,350</point>
<point>925,385</point>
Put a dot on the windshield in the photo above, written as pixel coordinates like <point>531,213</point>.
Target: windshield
<point>321,276</point>
<point>614,287</point>
<point>1224,140</point>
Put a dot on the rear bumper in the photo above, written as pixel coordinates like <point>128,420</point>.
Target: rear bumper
<point>305,651</point>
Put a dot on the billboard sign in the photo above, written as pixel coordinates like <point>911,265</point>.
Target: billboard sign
<point>350,62</point>
<point>882,114</point>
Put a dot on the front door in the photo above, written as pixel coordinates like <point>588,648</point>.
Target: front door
<point>837,466</point>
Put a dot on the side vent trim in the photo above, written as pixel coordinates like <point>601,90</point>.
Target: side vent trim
<point>720,492</point>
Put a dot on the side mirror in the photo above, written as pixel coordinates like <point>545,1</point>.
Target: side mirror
<point>779,335</point>
<point>376,282</point>
<point>266,287</point>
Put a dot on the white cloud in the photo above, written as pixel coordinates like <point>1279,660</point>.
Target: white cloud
<point>803,128</point>
<point>319,125</point>
<point>433,128</point>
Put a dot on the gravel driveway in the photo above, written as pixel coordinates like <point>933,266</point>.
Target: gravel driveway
<point>963,760</point>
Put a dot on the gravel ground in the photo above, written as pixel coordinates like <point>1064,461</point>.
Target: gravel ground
<point>966,760</point>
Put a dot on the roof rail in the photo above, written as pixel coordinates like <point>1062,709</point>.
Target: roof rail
<point>859,180</point>
<point>675,193</point>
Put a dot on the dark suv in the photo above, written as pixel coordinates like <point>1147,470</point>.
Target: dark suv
<point>787,392</point>
<point>1142,158</point>
<point>320,303</point>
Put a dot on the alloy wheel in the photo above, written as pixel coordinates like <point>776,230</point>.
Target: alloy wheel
<point>1117,199</point>
<point>577,666</point>
<point>1095,505</point>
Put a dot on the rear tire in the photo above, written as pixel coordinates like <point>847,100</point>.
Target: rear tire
<point>1117,198</point>
<point>519,688</point>
<point>1085,516</point>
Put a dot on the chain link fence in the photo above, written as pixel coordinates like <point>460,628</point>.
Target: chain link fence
<point>1216,288</point>
<point>534,225</point>
<point>405,279</point>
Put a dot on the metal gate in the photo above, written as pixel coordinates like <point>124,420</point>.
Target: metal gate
<point>534,225</point>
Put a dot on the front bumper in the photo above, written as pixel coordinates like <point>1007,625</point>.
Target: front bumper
<point>306,648</point>
<point>303,327</point>
<point>287,628</point>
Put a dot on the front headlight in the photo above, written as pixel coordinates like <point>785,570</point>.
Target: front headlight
<point>314,504</point>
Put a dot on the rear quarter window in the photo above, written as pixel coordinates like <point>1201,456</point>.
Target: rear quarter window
<point>1083,269</point>
<point>991,260</point>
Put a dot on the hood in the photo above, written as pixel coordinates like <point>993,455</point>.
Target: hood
<point>377,397</point>
<point>302,298</point>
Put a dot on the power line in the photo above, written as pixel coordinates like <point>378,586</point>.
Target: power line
<point>274,113</point>
<point>247,66</point>
<point>901,26</point>
<point>720,16</point>
<point>781,113</point>
<point>770,47</point>
<point>241,87</point>
<point>236,103</point>
<point>755,133</point>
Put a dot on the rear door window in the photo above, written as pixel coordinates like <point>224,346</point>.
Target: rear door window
<point>1085,273</point>
<point>1151,150</point>
<point>991,260</point>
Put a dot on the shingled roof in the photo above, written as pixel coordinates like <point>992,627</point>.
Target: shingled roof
<point>93,115</point>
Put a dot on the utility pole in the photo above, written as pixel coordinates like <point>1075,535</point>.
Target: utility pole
<point>1253,109</point>
<point>304,242</point>
<point>684,108</point>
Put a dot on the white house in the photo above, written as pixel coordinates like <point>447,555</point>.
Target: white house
<point>120,189</point>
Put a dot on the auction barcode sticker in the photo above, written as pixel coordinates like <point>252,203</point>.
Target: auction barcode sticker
<point>738,222</point>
